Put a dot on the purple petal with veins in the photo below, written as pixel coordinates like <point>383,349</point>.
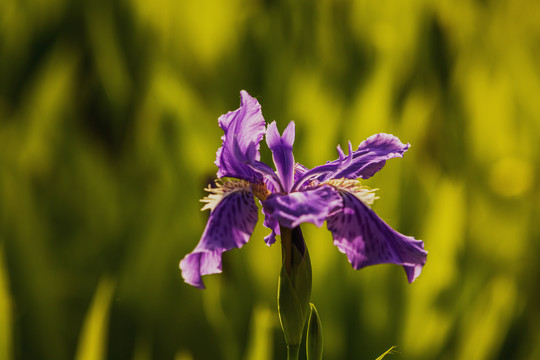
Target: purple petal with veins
<point>244,129</point>
<point>270,223</point>
<point>369,158</point>
<point>299,170</point>
<point>230,225</point>
<point>312,205</point>
<point>281,147</point>
<point>367,240</point>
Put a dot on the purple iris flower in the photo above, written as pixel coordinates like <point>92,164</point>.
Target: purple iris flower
<point>294,194</point>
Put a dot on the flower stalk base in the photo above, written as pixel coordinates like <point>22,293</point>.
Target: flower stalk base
<point>293,352</point>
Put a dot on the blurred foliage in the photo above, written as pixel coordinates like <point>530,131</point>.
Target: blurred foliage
<point>108,134</point>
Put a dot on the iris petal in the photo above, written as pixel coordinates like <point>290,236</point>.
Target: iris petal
<point>270,223</point>
<point>312,205</point>
<point>281,147</point>
<point>369,158</point>
<point>230,225</point>
<point>299,171</point>
<point>367,240</point>
<point>244,129</point>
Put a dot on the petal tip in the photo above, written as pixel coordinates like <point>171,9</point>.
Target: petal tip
<point>189,266</point>
<point>289,134</point>
<point>413,272</point>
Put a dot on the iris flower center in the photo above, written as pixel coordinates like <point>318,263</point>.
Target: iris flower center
<point>260,191</point>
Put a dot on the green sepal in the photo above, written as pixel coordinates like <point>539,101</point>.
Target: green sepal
<point>294,292</point>
<point>314,336</point>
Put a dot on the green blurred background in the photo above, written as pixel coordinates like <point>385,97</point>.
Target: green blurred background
<point>108,133</point>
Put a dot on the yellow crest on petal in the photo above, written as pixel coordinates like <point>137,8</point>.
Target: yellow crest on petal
<point>221,190</point>
<point>361,192</point>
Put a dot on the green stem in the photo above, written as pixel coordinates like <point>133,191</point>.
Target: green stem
<point>286,244</point>
<point>292,352</point>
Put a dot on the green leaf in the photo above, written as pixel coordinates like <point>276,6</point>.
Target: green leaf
<point>389,351</point>
<point>314,340</point>
<point>93,339</point>
<point>6,308</point>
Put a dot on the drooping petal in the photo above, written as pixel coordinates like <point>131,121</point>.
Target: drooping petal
<point>369,158</point>
<point>367,240</point>
<point>312,205</point>
<point>244,129</point>
<point>281,147</point>
<point>270,223</point>
<point>231,223</point>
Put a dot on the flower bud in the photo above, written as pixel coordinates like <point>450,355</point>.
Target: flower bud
<point>294,286</point>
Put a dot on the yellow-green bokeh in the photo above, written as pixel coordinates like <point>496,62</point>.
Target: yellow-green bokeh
<point>108,133</point>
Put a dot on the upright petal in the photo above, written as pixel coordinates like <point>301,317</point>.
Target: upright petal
<point>244,129</point>
<point>312,205</point>
<point>281,147</point>
<point>367,240</point>
<point>231,223</point>
<point>369,158</point>
<point>299,171</point>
